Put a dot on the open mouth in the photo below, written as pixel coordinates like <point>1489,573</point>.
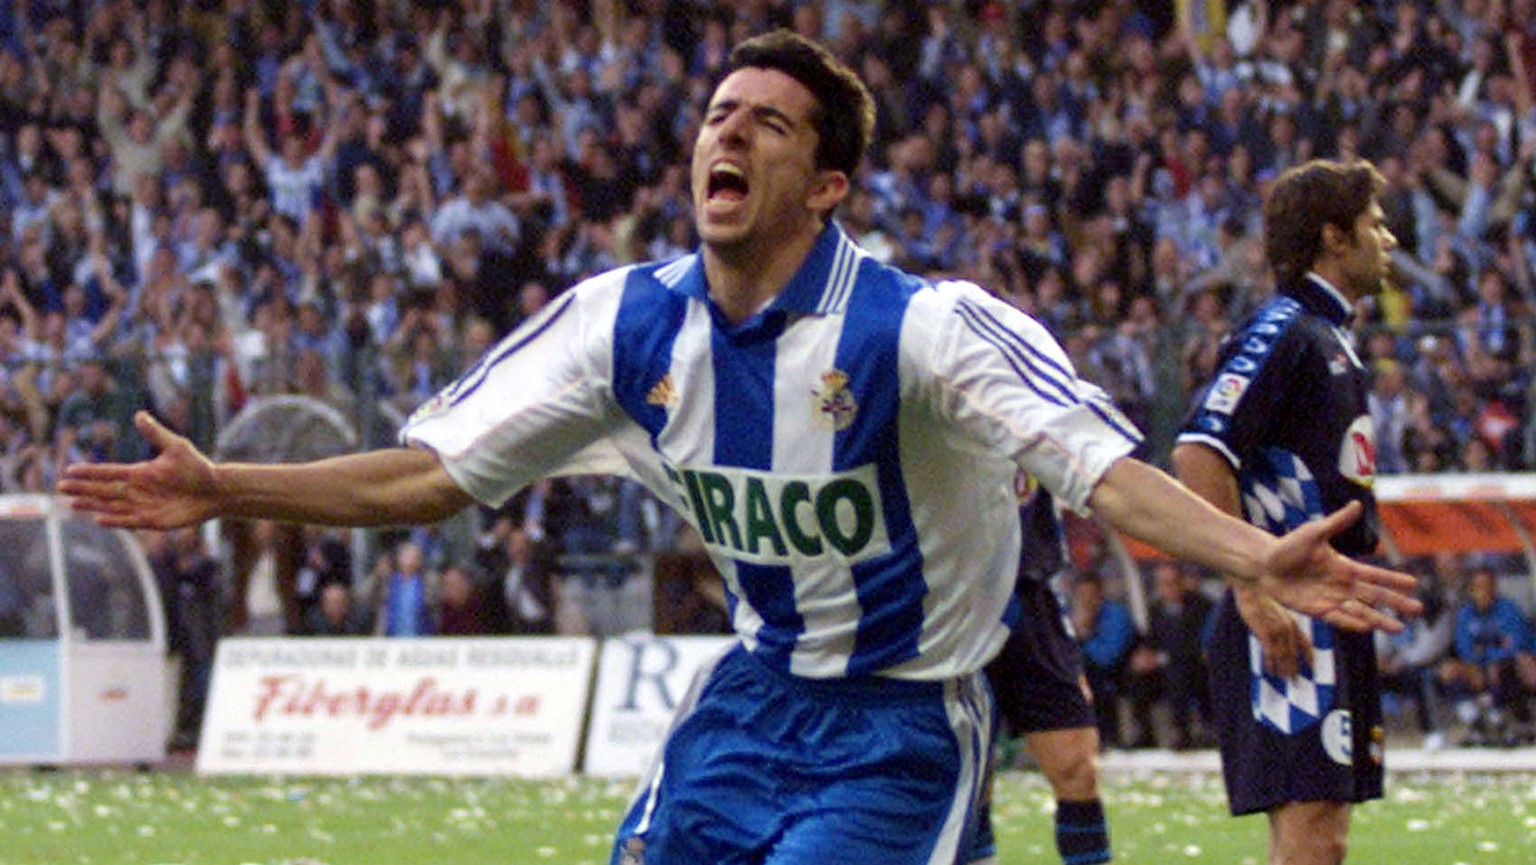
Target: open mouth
<point>726,183</point>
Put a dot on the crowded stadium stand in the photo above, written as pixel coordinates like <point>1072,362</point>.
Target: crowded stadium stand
<point>280,227</point>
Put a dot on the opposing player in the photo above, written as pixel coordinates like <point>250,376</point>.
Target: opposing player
<point>1283,436</point>
<point>1037,680</point>
<point>844,437</point>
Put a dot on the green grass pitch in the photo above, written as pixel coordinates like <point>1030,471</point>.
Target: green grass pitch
<point>125,818</point>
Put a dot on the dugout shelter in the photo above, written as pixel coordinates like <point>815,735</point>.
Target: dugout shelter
<point>83,675</point>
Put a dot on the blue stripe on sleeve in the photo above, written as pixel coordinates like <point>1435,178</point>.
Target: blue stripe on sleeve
<point>1043,371</point>
<point>471,380</point>
<point>1013,350</point>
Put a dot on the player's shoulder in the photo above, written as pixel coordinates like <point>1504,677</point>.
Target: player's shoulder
<point>607,284</point>
<point>944,295</point>
<point>884,284</point>
<point>662,274</point>
<point>950,291</point>
<point>971,307</point>
<point>1280,310</point>
<point>628,291</point>
<point>1277,324</point>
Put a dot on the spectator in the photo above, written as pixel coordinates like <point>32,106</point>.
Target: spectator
<point>19,360</point>
<point>600,526</point>
<point>262,556</point>
<point>1408,661</point>
<point>1107,635</point>
<point>522,590</point>
<point>293,175</point>
<point>135,137</point>
<point>1389,410</point>
<point>420,366</point>
<point>91,417</point>
<point>404,593</point>
<point>461,608</point>
<point>1490,682</point>
<point>335,614</point>
<point>193,597</point>
<point>326,561</point>
<point>478,210</point>
<point>1170,663</point>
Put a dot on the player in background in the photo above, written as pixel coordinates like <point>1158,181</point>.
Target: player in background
<point>1282,436</point>
<point>844,437</point>
<point>1037,680</point>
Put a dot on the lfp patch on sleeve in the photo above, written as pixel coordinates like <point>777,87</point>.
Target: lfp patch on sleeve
<point>1226,392</point>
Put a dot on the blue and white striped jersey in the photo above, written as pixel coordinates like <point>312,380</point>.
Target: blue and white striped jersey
<point>847,454</point>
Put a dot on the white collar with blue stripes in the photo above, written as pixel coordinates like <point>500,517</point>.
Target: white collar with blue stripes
<point>821,286</point>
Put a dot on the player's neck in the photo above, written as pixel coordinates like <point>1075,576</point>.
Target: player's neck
<point>744,278</point>
<point>1338,280</point>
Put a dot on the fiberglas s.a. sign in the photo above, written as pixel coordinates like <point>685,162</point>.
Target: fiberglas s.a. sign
<point>440,706</point>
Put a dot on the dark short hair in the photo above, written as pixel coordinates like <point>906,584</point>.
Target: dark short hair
<point>844,117</point>
<point>1307,197</point>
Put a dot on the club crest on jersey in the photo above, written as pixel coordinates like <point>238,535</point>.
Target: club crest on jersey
<point>834,401</point>
<point>1357,453</point>
<point>1338,364</point>
<point>1226,392</point>
<point>663,394</point>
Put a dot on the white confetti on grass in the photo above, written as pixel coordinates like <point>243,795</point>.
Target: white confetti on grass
<point>425,809</point>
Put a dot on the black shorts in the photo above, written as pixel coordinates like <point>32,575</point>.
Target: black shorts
<point>1317,737</point>
<point>1037,677</point>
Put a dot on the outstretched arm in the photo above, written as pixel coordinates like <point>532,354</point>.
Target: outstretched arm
<point>1300,570</point>
<point>181,486</point>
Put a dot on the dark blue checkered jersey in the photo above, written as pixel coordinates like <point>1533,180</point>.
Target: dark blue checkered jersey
<point>1287,408</point>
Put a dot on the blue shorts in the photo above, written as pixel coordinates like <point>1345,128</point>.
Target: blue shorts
<point>764,767</point>
<point>1316,737</point>
<point>1037,678</point>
